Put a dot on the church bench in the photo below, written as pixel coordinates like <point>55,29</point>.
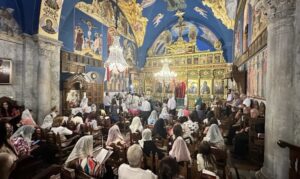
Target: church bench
<point>294,171</point>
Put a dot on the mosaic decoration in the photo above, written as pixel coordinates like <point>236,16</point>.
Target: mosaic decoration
<point>50,17</point>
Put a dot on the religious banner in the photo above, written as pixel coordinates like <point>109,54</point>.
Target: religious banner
<point>50,17</point>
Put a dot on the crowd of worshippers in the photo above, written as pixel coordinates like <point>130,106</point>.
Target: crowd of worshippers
<point>136,126</point>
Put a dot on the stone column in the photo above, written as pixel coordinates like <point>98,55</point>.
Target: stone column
<point>48,75</point>
<point>281,87</point>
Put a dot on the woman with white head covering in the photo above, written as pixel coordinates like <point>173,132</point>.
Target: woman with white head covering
<point>214,137</point>
<point>114,136</point>
<point>148,145</point>
<point>47,123</point>
<point>152,118</point>
<point>81,158</point>
<point>179,149</point>
<point>136,125</point>
<point>164,114</point>
<point>21,140</point>
<point>180,113</point>
<point>26,118</point>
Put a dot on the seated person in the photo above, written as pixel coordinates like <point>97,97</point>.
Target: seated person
<point>186,111</point>
<point>115,137</point>
<point>159,129</point>
<point>47,123</point>
<point>164,114</point>
<point>189,127</point>
<point>205,159</point>
<point>7,165</point>
<point>81,158</point>
<point>133,170</point>
<point>5,144</point>
<point>62,131</point>
<point>179,149</point>
<point>6,110</point>
<point>136,125</point>
<point>214,137</point>
<point>27,119</point>
<point>21,140</point>
<point>168,168</point>
<point>77,119</point>
<point>148,145</point>
<point>152,118</point>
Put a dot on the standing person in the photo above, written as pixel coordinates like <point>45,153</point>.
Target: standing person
<point>114,111</point>
<point>106,102</point>
<point>172,105</point>
<point>145,109</point>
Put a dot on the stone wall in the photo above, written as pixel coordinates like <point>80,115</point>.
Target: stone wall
<point>35,74</point>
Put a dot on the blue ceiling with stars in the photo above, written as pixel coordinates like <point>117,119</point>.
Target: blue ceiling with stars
<point>160,15</point>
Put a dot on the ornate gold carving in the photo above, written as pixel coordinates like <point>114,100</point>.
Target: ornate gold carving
<point>218,7</point>
<point>138,23</point>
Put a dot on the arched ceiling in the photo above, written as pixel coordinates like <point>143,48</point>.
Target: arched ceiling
<point>213,14</point>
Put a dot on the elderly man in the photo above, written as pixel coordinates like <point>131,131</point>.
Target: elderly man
<point>133,170</point>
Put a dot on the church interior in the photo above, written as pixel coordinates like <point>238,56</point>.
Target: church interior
<point>167,89</point>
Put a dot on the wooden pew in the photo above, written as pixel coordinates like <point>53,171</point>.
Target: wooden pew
<point>294,172</point>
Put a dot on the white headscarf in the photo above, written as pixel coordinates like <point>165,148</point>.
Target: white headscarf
<point>214,135</point>
<point>180,113</point>
<point>48,121</point>
<point>136,125</point>
<point>164,113</point>
<point>93,108</point>
<point>26,115</point>
<point>152,118</point>
<point>82,149</point>
<point>114,135</point>
<point>180,151</point>
<point>25,132</point>
<point>146,136</point>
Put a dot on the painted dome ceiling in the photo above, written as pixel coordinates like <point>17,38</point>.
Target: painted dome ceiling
<point>148,20</point>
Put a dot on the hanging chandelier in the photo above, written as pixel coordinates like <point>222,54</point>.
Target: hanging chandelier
<point>116,61</point>
<point>165,74</point>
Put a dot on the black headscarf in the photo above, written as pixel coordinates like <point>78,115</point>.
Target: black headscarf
<point>160,128</point>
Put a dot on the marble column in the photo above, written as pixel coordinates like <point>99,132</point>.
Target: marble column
<point>281,115</point>
<point>48,75</point>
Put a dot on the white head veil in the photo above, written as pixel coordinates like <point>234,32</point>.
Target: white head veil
<point>213,135</point>
<point>152,118</point>
<point>25,132</point>
<point>114,135</point>
<point>180,151</point>
<point>180,113</point>
<point>136,125</point>
<point>82,149</point>
<point>164,113</point>
<point>27,115</point>
<point>146,136</point>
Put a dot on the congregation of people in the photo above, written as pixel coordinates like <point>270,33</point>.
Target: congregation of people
<point>148,138</point>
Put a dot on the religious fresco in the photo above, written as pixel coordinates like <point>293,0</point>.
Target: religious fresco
<point>238,38</point>
<point>88,36</point>
<point>130,52</point>
<point>223,10</point>
<point>174,5</point>
<point>147,3</point>
<point>50,17</point>
<point>256,75</point>
<point>208,35</point>
<point>201,11</point>
<point>103,12</point>
<point>157,19</point>
<point>259,18</point>
<point>8,24</point>
<point>133,12</point>
<point>160,44</point>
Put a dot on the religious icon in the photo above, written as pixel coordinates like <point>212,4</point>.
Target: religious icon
<point>49,27</point>
<point>5,71</point>
<point>218,87</point>
<point>205,89</point>
<point>52,4</point>
<point>73,98</point>
<point>192,86</point>
<point>174,5</point>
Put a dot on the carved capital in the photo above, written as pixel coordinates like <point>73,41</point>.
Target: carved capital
<point>47,46</point>
<point>280,9</point>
